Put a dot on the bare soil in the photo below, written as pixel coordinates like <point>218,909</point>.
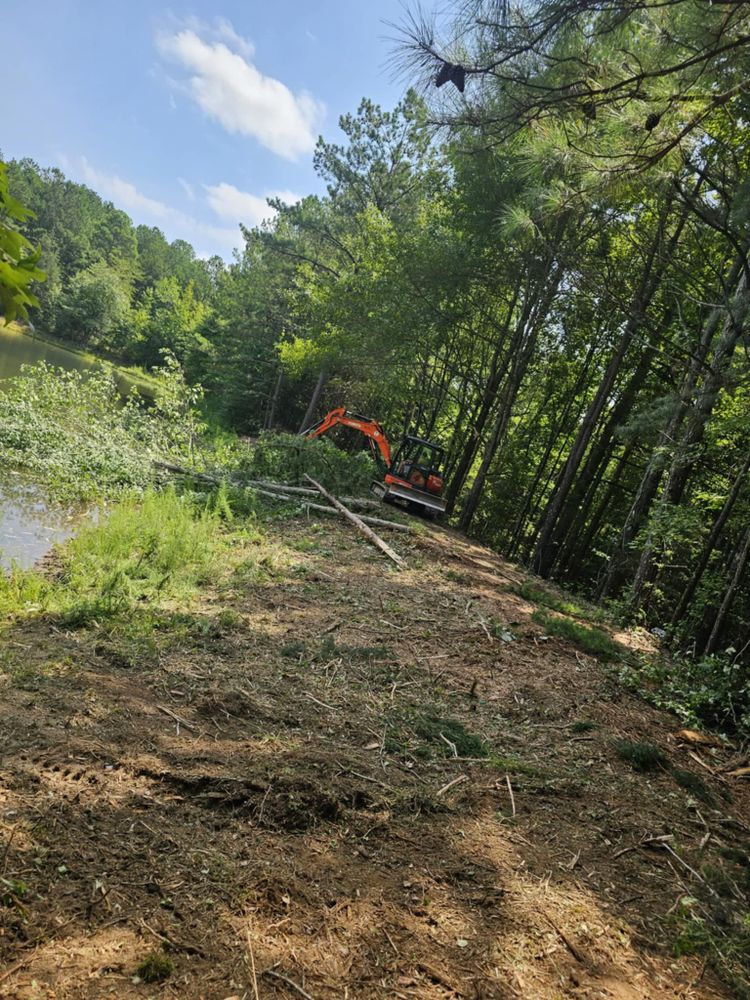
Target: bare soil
<point>349,782</point>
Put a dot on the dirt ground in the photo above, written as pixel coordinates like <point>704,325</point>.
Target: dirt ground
<point>351,782</point>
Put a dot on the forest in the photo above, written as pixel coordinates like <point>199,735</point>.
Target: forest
<point>539,258</point>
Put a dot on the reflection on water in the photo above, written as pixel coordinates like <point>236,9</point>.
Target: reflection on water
<point>18,349</point>
<point>29,527</point>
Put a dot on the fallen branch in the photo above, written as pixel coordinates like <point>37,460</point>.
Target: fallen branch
<point>180,721</point>
<point>305,491</point>
<point>358,523</point>
<point>288,981</point>
<point>456,781</point>
<point>182,471</point>
<point>378,521</point>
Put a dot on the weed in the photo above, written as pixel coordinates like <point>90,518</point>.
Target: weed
<point>538,595</point>
<point>591,640</point>
<point>582,726</point>
<point>12,890</point>
<point>155,968</point>
<point>642,757</point>
<point>437,730</point>
<point>694,784</point>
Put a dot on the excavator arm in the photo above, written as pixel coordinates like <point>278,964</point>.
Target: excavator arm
<point>372,430</point>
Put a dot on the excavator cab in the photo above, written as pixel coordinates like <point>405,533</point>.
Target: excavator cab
<point>418,463</point>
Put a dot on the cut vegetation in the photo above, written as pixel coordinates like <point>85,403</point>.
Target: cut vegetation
<point>239,746</point>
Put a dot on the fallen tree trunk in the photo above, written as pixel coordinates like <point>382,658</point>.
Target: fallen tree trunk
<point>282,492</point>
<point>358,523</point>
<point>378,521</point>
<point>304,491</point>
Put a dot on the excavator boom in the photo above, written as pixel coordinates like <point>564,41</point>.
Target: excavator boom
<point>370,428</point>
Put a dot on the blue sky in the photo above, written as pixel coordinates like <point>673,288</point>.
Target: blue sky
<point>188,116</point>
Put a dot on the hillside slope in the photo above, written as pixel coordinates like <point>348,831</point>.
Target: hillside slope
<point>349,781</point>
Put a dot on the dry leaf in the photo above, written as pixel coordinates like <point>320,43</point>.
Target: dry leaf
<point>693,736</point>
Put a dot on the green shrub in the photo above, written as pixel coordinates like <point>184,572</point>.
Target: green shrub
<point>712,691</point>
<point>591,640</point>
<point>285,458</point>
<point>74,432</point>
<point>642,756</point>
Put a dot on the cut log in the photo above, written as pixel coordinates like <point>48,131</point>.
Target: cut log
<point>304,491</point>
<point>378,521</point>
<point>358,523</point>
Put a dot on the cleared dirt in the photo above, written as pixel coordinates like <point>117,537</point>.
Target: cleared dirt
<point>350,782</point>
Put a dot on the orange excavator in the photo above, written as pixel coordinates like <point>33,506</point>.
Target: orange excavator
<point>411,476</point>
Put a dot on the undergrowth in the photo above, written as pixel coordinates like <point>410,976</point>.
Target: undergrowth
<point>591,640</point>
<point>711,691</point>
<point>73,432</point>
<point>144,551</point>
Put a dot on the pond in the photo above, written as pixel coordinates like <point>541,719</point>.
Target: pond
<point>29,525</point>
<point>18,348</point>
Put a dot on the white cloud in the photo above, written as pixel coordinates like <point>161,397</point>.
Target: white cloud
<point>206,239</point>
<point>122,193</point>
<point>187,187</point>
<point>233,205</point>
<point>229,88</point>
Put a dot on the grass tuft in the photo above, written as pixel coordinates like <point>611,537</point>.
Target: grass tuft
<point>694,784</point>
<point>589,639</point>
<point>642,757</point>
<point>155,968</point>
<point>437,729</point>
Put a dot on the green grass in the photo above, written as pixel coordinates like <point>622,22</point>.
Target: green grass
<point>589,639</point>
<point>145,551</point>
<point>642,757</point>
<point>155,968</point>
<point>539,595</point>
<point>436,729</point>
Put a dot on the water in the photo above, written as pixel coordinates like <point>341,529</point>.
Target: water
<point>18,349</point>
<point>29,525</point>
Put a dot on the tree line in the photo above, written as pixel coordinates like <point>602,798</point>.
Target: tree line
<point>542,262</point>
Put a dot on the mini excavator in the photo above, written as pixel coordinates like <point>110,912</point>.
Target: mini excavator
<point>411,475</point>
